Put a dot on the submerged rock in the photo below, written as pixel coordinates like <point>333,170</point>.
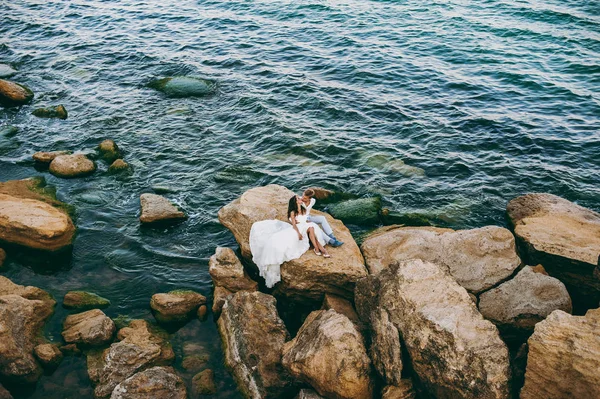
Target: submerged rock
<point>228,276</point>
<point>118,166</point>
<point>253,336</point>
<point>47,157</point>
<point>203,383</point>
<point>564,357</point>
<point>156,208</point>
<point>478,259</point>
<point>357,211</point>
<point>562,236</point>
<point>92,328</point>
<point>176,306</point>
<point>109,151</point>
<point>58,111</point>
<point>49,355</point>
<point>83,300</point>
<point>453,350</point>
<point>14,94</point>
<point>310,277</point>
<point>184,86</point>
<point>156,382</point>
<point>6,71</point>
<point>75,165</point>
<point>329,354</point>
<point>8,131</point>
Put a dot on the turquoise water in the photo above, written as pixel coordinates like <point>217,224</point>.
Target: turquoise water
<point>449,108</point>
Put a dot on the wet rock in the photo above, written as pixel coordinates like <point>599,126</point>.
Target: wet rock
<point>156,382</point>
<point>203,383</point>
<point>329,354</point>
<point>321,194</point>
<point>228,276</point>
<point>34,224</point>
<point>202,312</point>
<point>562,236</point>
<point>6,71</point>
<point>118,166</point>
<point>49,355</point>
<point>159,209</point>
<point>14,94</point>
<point>34,188</point>
<point>517,305</point>
<point>478,259</point>
<point>308,394</point>
<point>453,350</point>
<point>47,157</point>
<point>357,211</point>
<point>343,306</point>
<point>4,394</point>
<point>176,306</point>
<point>109,151</point>
<point>70,350</point>
<point>184,86</point>
<point>139,348</point>
<point>58,111</point>
<point>253,336</point>
<point>83,300</point>
<point>75,165</point>
<point>2,257</point>
<point>92,328</point>
<point>404,390</point>
<point>194,362</point>
<point>23,312</point>
<point>564,360</point>
<point>309,277</point>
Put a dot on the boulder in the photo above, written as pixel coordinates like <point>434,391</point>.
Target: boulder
<point>329,354</point>
<point>139,348</point>
<point>253,336</point>
<point>517,305</point>
<point>203,383</point>
<point>156,382</point>
<point>34,224</point>
<point>34,188</point>
<point>453,350</point>
<point>6,71</point>
<point>23,312</point>
<point>13,94</point>
<point>564,357</point>
<point>343,306</point>
<point>228,276</point>
<point>92,328</point>
<point>74,165</point>
<point>357,211</point>
<point>118,166</point>
<point>47,157</point>
<point>156,208</point>
<point>308,394</point>
<point>404,390</point>
<point>478,259</point>
<point>184,86</point>
<point>49,355</point>
<point>58,111</point>
<point>562,236</point>
<point>109,151</point>
<point>2,257</point>
<point>176,306</point>
<point>82,300</point>
<point>310,277</point>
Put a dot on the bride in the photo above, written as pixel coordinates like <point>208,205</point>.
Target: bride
<point>273,242</point>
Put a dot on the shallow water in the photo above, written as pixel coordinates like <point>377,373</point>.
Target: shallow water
<point>449,108</point>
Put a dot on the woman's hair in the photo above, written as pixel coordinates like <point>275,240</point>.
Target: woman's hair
<point>293,206</point>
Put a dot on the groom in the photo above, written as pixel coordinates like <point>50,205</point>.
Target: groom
<point>307,202</point>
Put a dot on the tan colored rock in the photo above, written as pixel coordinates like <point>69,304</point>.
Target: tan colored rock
<point>203,383</point>
<point>310,277</point>
<point>74,165</point>
<point>253,336</point>
<point>478,259</point>
<point>32,188</point>
<point>518,304</point>
<point>47,157</point>
<point>118,165</point>
<point>453,350</point>
<point>202,312</point>
<point>7,287</point>
<point>57,111</point>
<point>34,224</point>
<point>220,295</point>
<point>154,383</point>
<point>49,355</point>
<point>329,354</point>
<point>156,208</point>
<point>228,276</point>
<point>89,328</point>
<point>109,151</point>
<point>176,306</point>
<point>139,348</point>
<point>564,357</point>
<point>539,269</point>
<point>403,391</point>
<point>13,94</point>
<point>343,306</point>
<point>321,193</point>
<point>562,236</point>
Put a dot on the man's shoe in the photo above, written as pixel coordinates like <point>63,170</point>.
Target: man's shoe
<point>335,242</point>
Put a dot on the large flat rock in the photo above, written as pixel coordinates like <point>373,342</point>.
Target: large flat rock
<point>310,277</point>
<point>455,352</point>
<point>478,259</point>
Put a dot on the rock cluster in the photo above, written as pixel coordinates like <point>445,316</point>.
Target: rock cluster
<point>228,276</point>
<point>109,151</point>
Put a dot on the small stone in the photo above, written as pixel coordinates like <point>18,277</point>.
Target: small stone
<point>90,328</point>
<point>13,94</point>
<point>49,355</point>
<point>6,71</point>
<point>109,151</point>
<point>176,306</point>
<point>194,363</point>
<point>539,269</point>
<point>159,209</point>
<point>203,383</point>
<point>202,312</point>
<point>118,166</point>
<point>76,165</point>
<point>83,300</point>
<point>184,86</point>
<point>47,157</point>
<point>58,111</point>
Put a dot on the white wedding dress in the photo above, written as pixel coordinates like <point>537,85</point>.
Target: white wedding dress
<point>273,242</point>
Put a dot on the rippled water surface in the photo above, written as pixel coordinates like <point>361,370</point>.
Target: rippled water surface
<point>449,108</point>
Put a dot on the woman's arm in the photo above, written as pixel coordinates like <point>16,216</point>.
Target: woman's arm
<point>294,225</point>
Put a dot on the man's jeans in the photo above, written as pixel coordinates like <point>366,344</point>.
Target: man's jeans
<point>324,225</point>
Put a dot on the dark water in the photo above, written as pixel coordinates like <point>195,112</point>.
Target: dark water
<point>449,108</point>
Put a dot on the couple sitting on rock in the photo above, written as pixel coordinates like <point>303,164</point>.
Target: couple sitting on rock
<point>274,242</point>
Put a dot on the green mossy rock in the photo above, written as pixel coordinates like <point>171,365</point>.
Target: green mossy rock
<point>365,211</point>
<point>406,219</point>
<point>8,131</point>
<point>82,300</point>
<point>58,111</point>
<point>184,86</point>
